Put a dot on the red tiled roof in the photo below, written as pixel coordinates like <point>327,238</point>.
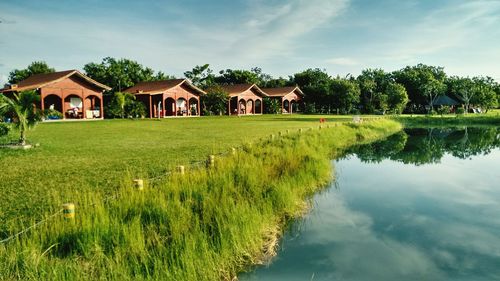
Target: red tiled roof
<point>237,89</point>
<point>157,87</point>
<point>283,91</point>
<point>41,80</point>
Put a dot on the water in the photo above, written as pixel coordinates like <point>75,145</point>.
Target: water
<point>422,205</point>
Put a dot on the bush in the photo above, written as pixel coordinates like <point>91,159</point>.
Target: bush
<point>4,129</point>
<point>443,109</point>
<point>52,114</point>
<point>460,110</point>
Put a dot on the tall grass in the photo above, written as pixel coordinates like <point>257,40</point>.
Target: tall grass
<point>208,224</point>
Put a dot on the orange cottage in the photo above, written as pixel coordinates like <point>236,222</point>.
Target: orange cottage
<point>245,99</point>
<point>175,97</point>
<point>290,98</point>
<point>69,92</point>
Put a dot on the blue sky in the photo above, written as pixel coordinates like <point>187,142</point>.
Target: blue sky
<point>281,37</point>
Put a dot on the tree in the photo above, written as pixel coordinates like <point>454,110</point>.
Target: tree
<point>201,76</point>
<point>125,105</point>
<point>397,97</point>
<point>36,67</point>
<point>485,96</point>
<point>315,83</point>
<point>373,85</point>
<point>345,93</point>
<point>272,106</point>
<point>121,74</point>
<point>231,77</point>
<point>22,108</point>
<point>463,88</point>
<point>423,84</point>
<point>215,101</point>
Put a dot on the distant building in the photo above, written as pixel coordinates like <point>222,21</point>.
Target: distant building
<point>175,97</point>
<point>290,98</point>
<point>71,93</point>
<point>244,99</point>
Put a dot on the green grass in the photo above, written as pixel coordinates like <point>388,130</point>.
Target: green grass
<point>491,118</point>
<point>78,157</point>
<point>206,225</point>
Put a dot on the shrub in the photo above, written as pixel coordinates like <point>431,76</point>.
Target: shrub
<point>443,109</point>
<point>460,110</point>
<point>4,129</point>
<point>52,114</point>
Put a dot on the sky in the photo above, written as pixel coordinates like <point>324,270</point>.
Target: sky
<point>281,37</point>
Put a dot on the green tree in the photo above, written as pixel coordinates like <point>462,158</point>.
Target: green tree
<point>231,77</point>
<point>423,83</point>
<point>215,101</point>
<point>121,74</point>
<point>397,97</point>
<point>121,105</point>
<point>36,67</point>
<point>485,96</point>
<point>201,76</point>
<point>272,106</point>
<point>345,93</point>
<point>315,83</point>
<point>463,88</point>
<point>22,108</point>
<point>373,85</point>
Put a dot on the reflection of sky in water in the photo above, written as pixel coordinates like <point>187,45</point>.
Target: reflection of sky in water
<point>391,221</point>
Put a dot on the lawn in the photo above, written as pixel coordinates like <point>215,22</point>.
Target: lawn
<point>209,224</point>
<point>78,157</point>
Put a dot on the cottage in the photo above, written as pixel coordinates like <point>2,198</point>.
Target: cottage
<point>175,97</point>
<point>289,97</point>
<point>245,99</point>
<point>71,93</point>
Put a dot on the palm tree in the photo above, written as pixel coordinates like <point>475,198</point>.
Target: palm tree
<point>123,99</point>
<point>22,108</point>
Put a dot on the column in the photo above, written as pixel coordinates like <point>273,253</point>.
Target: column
<point>229,106</point>
<point>261,107</point>
<point>84,116</point>
<point>238,104</point>
<point>150,107</point>
<point>254,106</point>
<point>282,106</point>
<point>198,111</point>
<point>163,104</point>
<point>63,106</point>
<point>101,108</point>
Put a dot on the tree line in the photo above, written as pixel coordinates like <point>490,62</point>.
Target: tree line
<point>413,89</point>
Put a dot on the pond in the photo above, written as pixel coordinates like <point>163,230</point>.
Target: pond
<point>422,205</point>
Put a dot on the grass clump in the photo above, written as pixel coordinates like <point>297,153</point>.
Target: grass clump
<point>208,224</point>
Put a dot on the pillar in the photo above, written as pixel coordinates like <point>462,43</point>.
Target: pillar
<point>282,105</point>
<point>163,104</point>
<point>63,106</point>
<point>238,105</point>
<point>198,109</point>
<point>150,107</point>
<point>261,107</point>
<point>101,108</point>
<point>84,116</point>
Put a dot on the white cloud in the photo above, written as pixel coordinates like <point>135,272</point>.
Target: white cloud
<point>344,61</point>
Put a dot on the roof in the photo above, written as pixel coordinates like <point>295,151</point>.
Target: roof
<point>283,91</point>
<point>41,80</point>
<point>445,100</point>
<point>157,87</point>
<point>237,89</point>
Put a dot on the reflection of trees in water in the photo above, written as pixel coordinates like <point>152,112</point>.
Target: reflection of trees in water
<point>422,146</point>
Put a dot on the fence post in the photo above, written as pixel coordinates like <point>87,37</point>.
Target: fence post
<point>69,211</point>
<point>211,161</point>
<point>180,169</point>
<point>139,184</point>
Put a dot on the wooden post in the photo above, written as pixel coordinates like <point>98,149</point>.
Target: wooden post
<point>211,161</point>
<point>69,211</point>
<point>150,107</point>
<point>42,98</point>
<point>139,184</point>
<point>84,116</point>
<point>101,109</point>
<point>63,106</point>
<point>162,105</point>
<point>180,169</point>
